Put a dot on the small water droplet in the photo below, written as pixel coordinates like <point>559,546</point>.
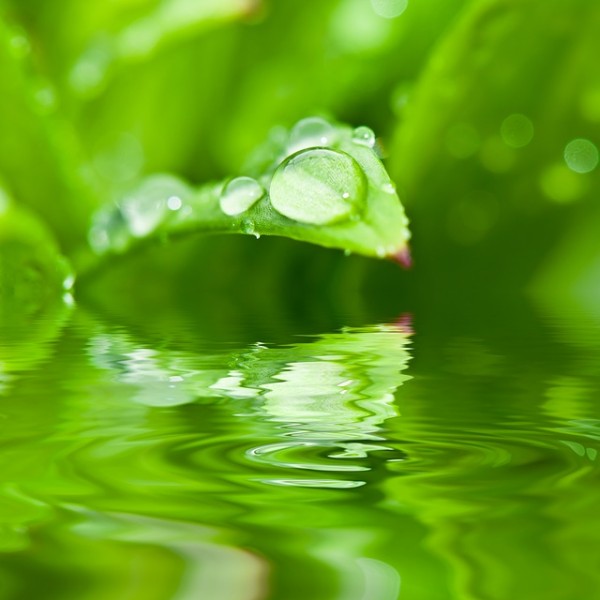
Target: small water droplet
<point>248,227</point>
<point>364,136</point>
<point>581,156</point>
<point>174,203</point>
<point>309,187</point>
<point>389,188</point>
<point>380,251</point>
<point>310,133</point>
<point>239,195</point>
<point>68,282</point>
<point>347,252</point>
<point>109,230</point>
<point>257,236</point>
<point>146,208</point>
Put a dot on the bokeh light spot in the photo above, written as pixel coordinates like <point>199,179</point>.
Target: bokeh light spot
<point>516,130</point>
<point>561,184</point>
<point>581,156</point>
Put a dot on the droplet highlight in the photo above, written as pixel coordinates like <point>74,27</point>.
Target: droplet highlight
<point>364,136</point>
<point>239,195</point>
<point>318,187</point>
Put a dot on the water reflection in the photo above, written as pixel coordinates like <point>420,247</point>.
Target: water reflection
<point>312,469</point>
<point>327,397</point>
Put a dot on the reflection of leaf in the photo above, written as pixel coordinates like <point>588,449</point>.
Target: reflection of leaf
<point>93,436</point>
<point>32,280</point>
<point>321,183</point>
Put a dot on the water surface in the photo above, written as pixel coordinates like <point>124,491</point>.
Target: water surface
<point>406,458</point>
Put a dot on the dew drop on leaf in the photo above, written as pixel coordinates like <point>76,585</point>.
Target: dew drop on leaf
<point>239,195</point>
<point>364,136</point>
<point>146,207</point>
<point>310,133</point>
<point>248,227</point>
<point>109,230</point>
<point>319,187</point>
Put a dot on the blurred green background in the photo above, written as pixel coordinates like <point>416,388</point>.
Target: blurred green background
<point>487,112</point>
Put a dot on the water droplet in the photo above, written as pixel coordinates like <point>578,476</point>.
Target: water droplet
<point>516,131</point>
<point>248,227</point>
<point>109,230</point>
<point>381,251</point>
<point>389,188</point>
<point>389,9</point>
<point>147,206</point>
<point>310,187</point>
<point>581,156</point>
<point>68,282</point>
<point>347,252</point>
<point>174,203</point>
<point>364,136</point>
<point>310,133</point>
<point>239,195</point>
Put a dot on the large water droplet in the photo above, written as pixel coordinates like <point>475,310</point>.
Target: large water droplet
<point>581,156</point>
<point>318,186</point>
<point>364,136</point>
<point>239,195</point>
<point>310,133</point>
<point>146,207</point>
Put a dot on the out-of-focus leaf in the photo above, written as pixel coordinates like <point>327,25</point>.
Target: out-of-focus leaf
<point>39,154</point>
<point>493,104</point>
<point>482,149</point>
<point>32,269</point>
<point>320,183</point>
<point>33,280</point>
<point>170,20</point>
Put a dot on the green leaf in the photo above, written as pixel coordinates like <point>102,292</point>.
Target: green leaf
<point>320,183</point>
<point>40,158</point>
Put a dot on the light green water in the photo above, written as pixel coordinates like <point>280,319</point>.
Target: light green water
<point>457,461</point>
